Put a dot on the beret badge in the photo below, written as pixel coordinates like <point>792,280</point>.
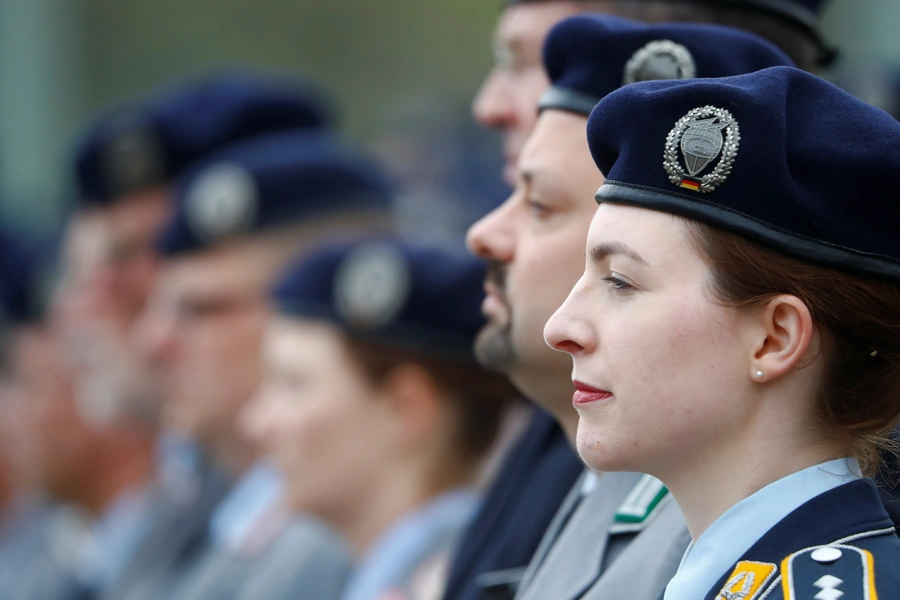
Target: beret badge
<point>660,59</point>
<point>132,157</point>
<point>372,285</point>
<point>699,136</point>
<point>222,202</point>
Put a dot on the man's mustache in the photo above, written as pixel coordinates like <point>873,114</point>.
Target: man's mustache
<point>496,278</point>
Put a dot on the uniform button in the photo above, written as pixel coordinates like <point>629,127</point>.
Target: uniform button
<point>826,555</point>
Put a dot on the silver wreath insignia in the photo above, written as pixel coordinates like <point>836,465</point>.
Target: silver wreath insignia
<point>660,59</point>
<point>699,136</point>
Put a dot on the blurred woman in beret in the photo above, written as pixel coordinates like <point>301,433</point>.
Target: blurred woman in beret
<point>736,332</point>
<point>374,408</point>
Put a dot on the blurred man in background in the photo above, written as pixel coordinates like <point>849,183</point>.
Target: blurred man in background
<point>492,559</point>
<point>99,475</point>
<point>125,166</point>
<point>240,217</point>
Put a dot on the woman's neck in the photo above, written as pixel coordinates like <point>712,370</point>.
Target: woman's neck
<point>396,494</point>
<point>713,480</point>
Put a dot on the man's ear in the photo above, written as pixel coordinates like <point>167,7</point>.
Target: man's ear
<point>414,401</point>
<point>785,333</point>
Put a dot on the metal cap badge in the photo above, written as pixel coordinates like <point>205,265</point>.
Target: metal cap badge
<point>698,135</point>
<point>132,157</point>
<point>372,285</point>
<point>222,202</point>
<point>660,59</point>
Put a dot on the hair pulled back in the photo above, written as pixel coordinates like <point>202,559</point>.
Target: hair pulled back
<point>857,401</point>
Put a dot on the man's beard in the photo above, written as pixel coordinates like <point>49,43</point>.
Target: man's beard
<point>494,348</point>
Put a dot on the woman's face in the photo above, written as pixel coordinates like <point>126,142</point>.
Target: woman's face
<point>318,418</point>
<point>665,371</point>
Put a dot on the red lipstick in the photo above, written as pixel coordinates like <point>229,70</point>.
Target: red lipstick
<point>585,394</point>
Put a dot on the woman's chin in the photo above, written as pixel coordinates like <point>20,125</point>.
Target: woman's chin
<point>602,453</point>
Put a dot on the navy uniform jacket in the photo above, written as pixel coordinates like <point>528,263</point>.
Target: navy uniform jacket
<point>530,486</point>
<point>849,518</point>
<point>889,484</point>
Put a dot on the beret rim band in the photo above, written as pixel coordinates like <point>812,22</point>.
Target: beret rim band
<point>559,98</point>
<point>797,246</point>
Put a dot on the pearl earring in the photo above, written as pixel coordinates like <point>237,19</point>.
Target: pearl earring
<point>759,374</point>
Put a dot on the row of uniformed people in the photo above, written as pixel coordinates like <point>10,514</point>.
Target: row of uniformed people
<point>534,237</point>
<point>190,208</point>
<point>642,509</point>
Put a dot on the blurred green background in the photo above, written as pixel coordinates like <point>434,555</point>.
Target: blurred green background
<point>62,61</point>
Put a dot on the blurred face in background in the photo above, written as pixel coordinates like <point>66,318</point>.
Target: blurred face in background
<point>50,446</point>
<point>509,95</point>
<point>534,243</point>
<point>202,332</point>
<point>318,417</point>
<point>110,265</point>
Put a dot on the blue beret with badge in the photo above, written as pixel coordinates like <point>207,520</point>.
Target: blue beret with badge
<point>390,291</point>
<point>153,142</point>
<point>589,56</point>
<point>801,14</point>
<point>270,182</point>
<point>779,156</point>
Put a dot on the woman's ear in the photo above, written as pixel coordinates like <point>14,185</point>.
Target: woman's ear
<point>785,333</point>
<point>414,402</point>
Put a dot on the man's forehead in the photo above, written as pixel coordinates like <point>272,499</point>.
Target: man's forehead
<point>523,27</point>
<point>230,268</point>
<point>556,135</point>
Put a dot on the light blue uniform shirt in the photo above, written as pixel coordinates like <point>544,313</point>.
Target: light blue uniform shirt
<point>258,492</point>
<point>409,543</point>
<point>113,538</point>
<point>721,546</point>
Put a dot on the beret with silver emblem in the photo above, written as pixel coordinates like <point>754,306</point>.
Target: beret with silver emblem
<point>390,291</point>
<point>589,56</point>
<point>269,182</point>
<point>801,14</point>
<point>153,142</point>
<point>779,156</point>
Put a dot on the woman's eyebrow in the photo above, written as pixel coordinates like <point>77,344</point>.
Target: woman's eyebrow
<point>601,252</point>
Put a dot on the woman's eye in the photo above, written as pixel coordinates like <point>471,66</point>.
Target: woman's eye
<point>617,284</point>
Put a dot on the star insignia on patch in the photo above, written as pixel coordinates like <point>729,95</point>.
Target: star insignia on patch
<point>222,202</point>
<point>660,59</point>
<point>699,137</point>
<point>829,573</point>
<point>371,285</point>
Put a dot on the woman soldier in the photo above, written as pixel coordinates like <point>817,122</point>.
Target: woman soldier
<point>736,332</point>
<point>373,406</point>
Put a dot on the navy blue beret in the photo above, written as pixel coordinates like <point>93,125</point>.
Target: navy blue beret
<point>25,277</point>
<point>588,56</point>
<point>802,12</point>
<point>779,156</point>
<point>269,182</point>
<point>390,291</point>
<point>153,142</point>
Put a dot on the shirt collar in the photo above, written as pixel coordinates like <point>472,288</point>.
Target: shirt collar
<point>112,539</point>
<point>731,535</point>
<point>258,492</point>
<point>407,542</point>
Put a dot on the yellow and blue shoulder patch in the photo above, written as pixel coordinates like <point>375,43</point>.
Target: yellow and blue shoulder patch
<point>641,503</point>
<point>829,573</point>
<point>747,581</point>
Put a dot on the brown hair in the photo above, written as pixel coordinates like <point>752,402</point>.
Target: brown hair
<point>857,318</point>
<point>477,397</point>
